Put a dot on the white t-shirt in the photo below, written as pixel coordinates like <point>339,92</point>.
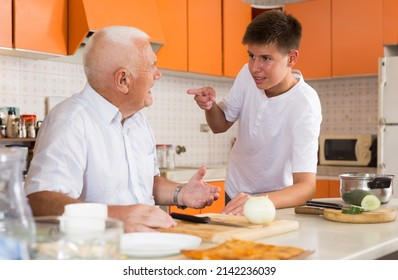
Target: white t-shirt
<point>83,150</point>
<point>276,137</point>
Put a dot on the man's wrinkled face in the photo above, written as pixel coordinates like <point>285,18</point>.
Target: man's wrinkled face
<point>146,75</point>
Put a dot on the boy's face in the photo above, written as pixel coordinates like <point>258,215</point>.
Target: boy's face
<point>270,68</point>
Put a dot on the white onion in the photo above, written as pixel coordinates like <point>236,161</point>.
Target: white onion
<point>259,210</point>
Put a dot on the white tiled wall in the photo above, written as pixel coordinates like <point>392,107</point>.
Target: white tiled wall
<point>349,104</point>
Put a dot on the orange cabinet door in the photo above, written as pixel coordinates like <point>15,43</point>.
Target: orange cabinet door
<point>85,16</point>
<point>322,188</point>
<point>390,22</point>
<point>219,204</point>
<point>6,23</point>
<point>357,41</point>
<point>334,188</point>
<point>315,54</point>
<point>189,211</point>
<point>236,17</point>
<point>204,37</point>
<point>173,54</point>
<point>41,26</point>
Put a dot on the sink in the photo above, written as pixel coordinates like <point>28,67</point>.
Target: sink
<point>182,174</point>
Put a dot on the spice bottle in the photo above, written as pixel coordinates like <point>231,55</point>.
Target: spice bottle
<point>10,127</point>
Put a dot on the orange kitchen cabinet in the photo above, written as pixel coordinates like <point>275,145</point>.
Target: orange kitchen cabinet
<point>390,22</point>
<point>173,54</point>
<point>85,16</point>
<point>357,38</point>
<point>219,204</point>
<point>205,37</point>
<point>322,188</point>
<point>41,26</point>
<point>236,16</point>
<point>188,211</point>
<point>327,188</point>
<point>315,54</point>
<point>334,188</point>
<point>6,23</point>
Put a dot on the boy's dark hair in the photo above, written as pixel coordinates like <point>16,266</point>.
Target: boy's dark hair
<point>274,27</point>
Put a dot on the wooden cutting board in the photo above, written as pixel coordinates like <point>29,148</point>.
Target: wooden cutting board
<point>219,234</point>
<point>381,215</point>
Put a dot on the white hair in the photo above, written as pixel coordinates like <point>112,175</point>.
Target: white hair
<point>123,37</point>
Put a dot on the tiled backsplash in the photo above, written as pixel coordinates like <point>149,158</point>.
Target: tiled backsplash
<point>349,104</point>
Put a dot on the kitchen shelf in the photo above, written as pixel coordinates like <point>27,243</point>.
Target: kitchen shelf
<point>24,142</point>
<point>13,140</point>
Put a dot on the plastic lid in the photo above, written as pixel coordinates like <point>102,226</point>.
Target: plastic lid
<point>162,145</point>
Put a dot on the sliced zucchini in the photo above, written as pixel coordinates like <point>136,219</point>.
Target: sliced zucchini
<point>370,202</point>
<point>353,210</point>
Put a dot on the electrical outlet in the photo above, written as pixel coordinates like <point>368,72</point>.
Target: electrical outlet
<point>204,127</point>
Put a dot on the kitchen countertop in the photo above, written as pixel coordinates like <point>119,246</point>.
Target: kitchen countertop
<point>333,240</point>
<point>184,173</point>
<point>218,173</point>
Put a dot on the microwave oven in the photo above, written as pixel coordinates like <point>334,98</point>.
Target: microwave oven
<point>348,150</point>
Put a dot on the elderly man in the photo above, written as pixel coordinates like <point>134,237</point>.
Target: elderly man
<point>97,145</point>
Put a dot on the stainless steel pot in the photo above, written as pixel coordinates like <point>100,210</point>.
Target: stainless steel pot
<point>379,185</point>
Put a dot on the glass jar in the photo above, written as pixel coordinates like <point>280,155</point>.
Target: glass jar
<point>166,156</point>
<point>161,154</point>
<point>17,228</point>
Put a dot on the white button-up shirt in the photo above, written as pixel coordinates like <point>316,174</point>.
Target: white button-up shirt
<point>84,151</point>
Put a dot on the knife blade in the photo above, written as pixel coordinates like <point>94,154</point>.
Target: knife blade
<point>202,220</point>
<point>324,204</point>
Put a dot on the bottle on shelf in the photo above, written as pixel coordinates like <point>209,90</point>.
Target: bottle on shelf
<point>11,128</point>
<point>17,227</point>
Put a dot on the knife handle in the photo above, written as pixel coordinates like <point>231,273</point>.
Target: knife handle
<point>308,210</point>
<point>190,218</point>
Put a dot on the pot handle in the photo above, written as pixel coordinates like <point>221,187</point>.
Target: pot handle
<point>380,183</point>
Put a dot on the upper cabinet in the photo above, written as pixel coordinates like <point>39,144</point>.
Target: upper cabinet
<point>205,37</point>
<point>6,23</point>
<point>193,36</point>
<point>390,22</point>
<point>315,55</point>
<point>236,16</point>
<point>85,16</point>
<point>357,40</point>
<point>41,26</point>
<point>340,38</point>
<point>174,53</point>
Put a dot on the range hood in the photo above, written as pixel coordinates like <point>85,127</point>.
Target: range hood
<point>271,3</point>
<point>87,16</point>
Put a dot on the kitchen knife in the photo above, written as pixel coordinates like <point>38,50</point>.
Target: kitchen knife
<point>324,204</point>
<point>202,220</point>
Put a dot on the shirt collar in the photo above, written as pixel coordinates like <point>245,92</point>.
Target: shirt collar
<point>107,111</point>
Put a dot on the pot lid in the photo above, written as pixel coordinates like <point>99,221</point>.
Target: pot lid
<point>358,175</point>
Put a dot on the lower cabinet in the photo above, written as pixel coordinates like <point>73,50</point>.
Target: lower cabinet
<point>216,207</point>
<point>326,188</point>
